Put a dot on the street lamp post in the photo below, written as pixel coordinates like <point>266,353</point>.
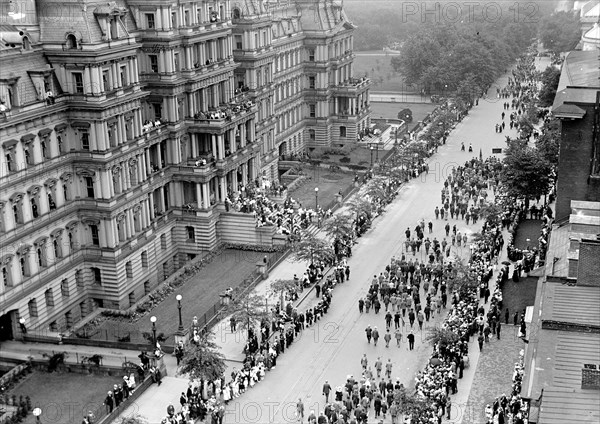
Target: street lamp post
<point>36,413</point>
<point>179,297</point>
<point>153,321</point>
<point>22,325</point>
<point>371,156</point>
<point>316,198</point>
<point>181,335</point>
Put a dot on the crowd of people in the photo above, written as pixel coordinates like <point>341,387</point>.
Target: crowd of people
<point>408,293</point>
<point>120,393</point>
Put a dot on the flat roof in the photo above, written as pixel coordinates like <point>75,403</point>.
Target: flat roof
<point>559,361</point>
<point>556,259</point>
<point>561,406</point>
<point>572,304</point>
<point>579,78</point>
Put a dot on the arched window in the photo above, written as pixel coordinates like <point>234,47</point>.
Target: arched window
<point>71,41</point>
<point>26,43</point>
<point>236,13</point>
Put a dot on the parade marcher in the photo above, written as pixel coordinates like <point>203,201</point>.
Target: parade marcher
<point>411,340</point>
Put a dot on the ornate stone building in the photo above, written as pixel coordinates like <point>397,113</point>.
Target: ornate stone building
<point>124,126</point>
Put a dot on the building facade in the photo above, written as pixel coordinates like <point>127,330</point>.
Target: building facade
<point>124,126</point>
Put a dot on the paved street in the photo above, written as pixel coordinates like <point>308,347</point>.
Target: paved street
<point>332,350</point>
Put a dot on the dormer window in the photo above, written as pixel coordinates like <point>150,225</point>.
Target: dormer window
<point>150,24</point>
<point>236,13</point>
<point>114,28</point>
<point>26,43</point>
<point>71,42</point>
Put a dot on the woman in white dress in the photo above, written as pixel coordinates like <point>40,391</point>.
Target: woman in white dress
<point>227,393</point>
<point>235,387</point>
<point>131,382</point>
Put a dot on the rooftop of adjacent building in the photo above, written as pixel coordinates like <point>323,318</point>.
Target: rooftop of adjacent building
<point>583,223</point>
<point>579,80</point>
<point>564,335</point>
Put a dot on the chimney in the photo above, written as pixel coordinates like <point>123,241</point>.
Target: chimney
<point>588,273</point>
<point>590,377</point>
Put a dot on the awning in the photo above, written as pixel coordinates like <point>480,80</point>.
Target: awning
<point>568,111</point>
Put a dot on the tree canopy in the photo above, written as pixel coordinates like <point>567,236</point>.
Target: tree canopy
<point>203,361</point>
<point>548,143</point>
<point>312,249</point>
<point>281,286</point>
<point>550,78</point>
<point>526,172</point>
<point>249,311</point>
<point>461,57</point>
<point>560,32</point>
<point>338,226</point>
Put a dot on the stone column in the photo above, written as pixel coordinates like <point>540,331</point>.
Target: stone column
<point>147,163</point>
<point>222,188</point>
<point>151,205</point>
<point>159,155</point>
<point>199,195</point>
<point>221,143</point>
<point>205,195</point>
<point>161,203</point>
<point>213,139</point>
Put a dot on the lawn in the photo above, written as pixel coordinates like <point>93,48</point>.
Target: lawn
<point>517,296</point>
<point>65,397</point>
<point>329,185</point>
<point>390,110</point>
<point>200,294</point>
<point>528,229</point>
<point>379,69</point>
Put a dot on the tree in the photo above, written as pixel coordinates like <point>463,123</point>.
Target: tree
<point>338,227</point>
<point>202,361</point>
<point>560,32</point>
<point>360,207</point>
<point>312,249</point>
<point>550,79</point>
<point>442,337</point>
<point>376,189</point>
<point>526,172</point>
<point>280,287</point>
<point>249,311</point>
<point>491,212</point>
<point>548,143</point>
<point>464,278</point>
<point>411,404</point>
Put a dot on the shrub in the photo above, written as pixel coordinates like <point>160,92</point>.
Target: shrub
<point>345,159</point>
<point>357,167</point>
<point>325,157</point>
<point>56,360</point>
